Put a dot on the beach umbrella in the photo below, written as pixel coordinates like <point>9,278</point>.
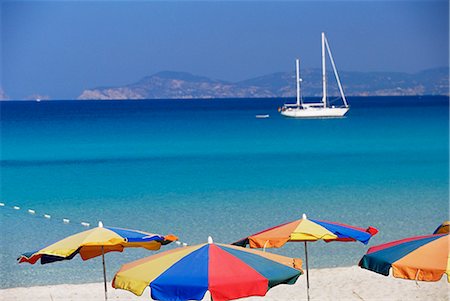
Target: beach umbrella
<point>306,230</point>
<point>443,228</point>
<point>424,258</point>
<point>227,272</point>
<point>96,242</point>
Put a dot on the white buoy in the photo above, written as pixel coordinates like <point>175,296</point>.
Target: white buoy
<point>210,240</point>
<point>47,216</point>
<point>31,211</point>
<point>100,224</point>
<point>304,216</point>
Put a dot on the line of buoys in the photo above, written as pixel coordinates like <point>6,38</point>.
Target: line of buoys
<point>66,220</point>
<point>44,215</point>
<point>181,244</point>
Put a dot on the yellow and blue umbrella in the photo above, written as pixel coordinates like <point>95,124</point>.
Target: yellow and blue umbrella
<point>96,242</point>
<point>305,230</point>
<point>227,272</point>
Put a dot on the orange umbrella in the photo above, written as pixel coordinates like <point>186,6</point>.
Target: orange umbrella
<point>424,258</point>
<point>443,228</point>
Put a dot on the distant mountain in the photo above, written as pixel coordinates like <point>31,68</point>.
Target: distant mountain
<point>170,85</point>
<point>3,96</point>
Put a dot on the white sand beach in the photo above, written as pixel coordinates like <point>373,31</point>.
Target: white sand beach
<point>346,283</point>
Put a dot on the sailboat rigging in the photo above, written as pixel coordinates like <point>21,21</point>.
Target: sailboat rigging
<point>322,108</point>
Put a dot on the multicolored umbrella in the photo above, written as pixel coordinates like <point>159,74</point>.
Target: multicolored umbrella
<point>424,258</point>
<point>228,272</point>
<point>96,242</point>
<point>443,228</point>
<point>304,230</point>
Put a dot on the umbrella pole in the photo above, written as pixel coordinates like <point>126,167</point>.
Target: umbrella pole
<point>307,270</point>
<point>104,274</point>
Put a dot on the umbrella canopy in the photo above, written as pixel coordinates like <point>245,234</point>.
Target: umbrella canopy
<point>228,272</point>
<point>306,229</point>
<point>424,258</point>
<point>94,242</point>
<point>443,228</point>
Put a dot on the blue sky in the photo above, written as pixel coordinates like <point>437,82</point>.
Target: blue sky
<point>59,48</point>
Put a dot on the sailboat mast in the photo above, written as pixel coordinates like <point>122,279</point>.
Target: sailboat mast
<point>336,74</point>
<point>297,61</point>
<point>324,76</point>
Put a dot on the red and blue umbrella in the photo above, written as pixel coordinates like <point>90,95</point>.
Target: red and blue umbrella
<point>227,272</point>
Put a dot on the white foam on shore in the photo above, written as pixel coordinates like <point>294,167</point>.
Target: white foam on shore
<point>347,283</point>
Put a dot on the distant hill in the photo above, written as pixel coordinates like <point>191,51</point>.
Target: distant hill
<point>170,85</point>
<point>3,96</point>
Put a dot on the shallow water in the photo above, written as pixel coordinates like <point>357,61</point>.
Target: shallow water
<point>209,167</point>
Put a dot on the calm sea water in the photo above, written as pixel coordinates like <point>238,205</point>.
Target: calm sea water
<point>197,168</point>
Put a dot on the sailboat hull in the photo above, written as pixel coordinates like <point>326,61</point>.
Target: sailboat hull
<point>314,112</point>
<point>317,109</point>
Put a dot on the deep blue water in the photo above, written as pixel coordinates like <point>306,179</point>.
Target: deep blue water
<point>209,167</point>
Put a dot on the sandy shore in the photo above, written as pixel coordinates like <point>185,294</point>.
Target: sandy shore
<point>349,283</point>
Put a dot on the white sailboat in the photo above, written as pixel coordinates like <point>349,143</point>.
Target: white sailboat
<point>318,109</point>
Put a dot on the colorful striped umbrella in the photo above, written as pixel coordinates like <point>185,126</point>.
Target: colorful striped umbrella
<point>424,258</point>
<point>443,228</point>
<point>304,230</point>
<point>228,272</point>
<point>96,242</point>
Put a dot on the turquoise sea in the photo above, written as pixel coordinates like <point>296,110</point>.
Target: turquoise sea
<point>208,167</point>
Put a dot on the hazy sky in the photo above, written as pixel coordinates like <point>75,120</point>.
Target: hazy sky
<point>59,48</point>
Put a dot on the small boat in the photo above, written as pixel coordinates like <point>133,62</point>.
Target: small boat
<point>319,109</point>
<point>261,116</point>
